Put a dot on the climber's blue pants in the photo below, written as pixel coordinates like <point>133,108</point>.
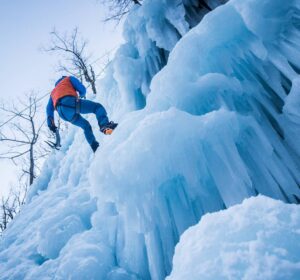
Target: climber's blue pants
<point>69,109</point>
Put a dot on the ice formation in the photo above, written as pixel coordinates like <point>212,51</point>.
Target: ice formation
<point>151,32</point>
<point>218,125</point>
<point>258,239</point>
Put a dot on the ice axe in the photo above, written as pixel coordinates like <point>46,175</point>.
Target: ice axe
<point>55,145</point>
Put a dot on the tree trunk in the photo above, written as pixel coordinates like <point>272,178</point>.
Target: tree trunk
<point>93,80</point>
<point>31,167</point>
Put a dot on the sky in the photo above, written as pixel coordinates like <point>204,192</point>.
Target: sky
<point>24,29</point>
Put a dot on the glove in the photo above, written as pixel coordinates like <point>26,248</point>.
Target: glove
<point>53,128</point>
<point>51,125</point>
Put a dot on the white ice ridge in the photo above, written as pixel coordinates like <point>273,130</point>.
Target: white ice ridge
<point>218,126</point>
<point>258,239</point>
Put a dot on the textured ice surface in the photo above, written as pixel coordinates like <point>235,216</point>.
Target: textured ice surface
<point>151,32</point>
<point>258,239</point>
<point>217,127</point>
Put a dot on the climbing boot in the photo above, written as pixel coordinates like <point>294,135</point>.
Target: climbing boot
<point>94,146</point>
<point>108,128</point>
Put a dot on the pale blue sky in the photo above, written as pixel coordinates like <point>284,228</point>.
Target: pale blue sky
<point>24,27</point>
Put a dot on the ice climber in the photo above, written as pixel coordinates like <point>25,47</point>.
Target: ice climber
<point>65,99</point>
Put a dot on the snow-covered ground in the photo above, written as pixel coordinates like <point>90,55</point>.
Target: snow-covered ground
<point>258,239</point>
<point>216,125</point>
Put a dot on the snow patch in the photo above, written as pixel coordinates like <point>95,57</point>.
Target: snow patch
<point>258,239</point>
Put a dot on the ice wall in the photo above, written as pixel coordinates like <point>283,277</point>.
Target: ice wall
<point>217,127</point>
<point>151,32</point>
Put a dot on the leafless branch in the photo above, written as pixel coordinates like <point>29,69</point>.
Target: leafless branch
<point>22,144</point>
<point>74,51</point>
<point>119,8</point>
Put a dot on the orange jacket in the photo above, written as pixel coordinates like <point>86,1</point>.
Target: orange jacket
<point>63,88</point>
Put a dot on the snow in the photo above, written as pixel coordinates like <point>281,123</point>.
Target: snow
<point>215,126</point>
<point>258,239</point>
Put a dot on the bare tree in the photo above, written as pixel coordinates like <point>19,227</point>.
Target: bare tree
<point>118,8</point>
<point>23,143</point>
<point>8,211</point>
<point>22,137</point>
<point>11,205</point>
<point>77,62</point>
